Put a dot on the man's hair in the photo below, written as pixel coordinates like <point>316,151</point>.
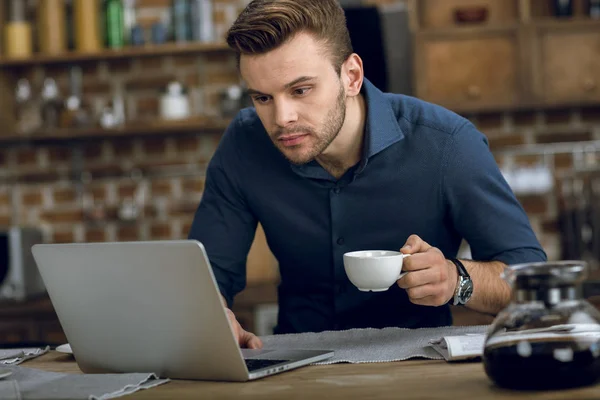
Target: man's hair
<point>265,25</point>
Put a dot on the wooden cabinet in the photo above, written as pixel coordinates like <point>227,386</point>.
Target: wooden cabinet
<point>568,63</point>
<point>521,56</point>
<point>440,13</point>
<point>466,71</point>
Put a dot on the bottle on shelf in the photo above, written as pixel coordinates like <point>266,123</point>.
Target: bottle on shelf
<point>113,115</point>
<point>231,101</point>
<point>180,20</point>
<point>129,21</point>
<point>202,24</point>
<point>86,21</point>
<point>74,114</point>
<point>158,33</point>
<point>51,104</point>
<point>18,41</point>
<point>119,107</point>
<point>137,37</point>
<point>70,24</point>
<point>27,112</point>
<point>114,24</point>
<point>174,104</point>
<point>51,26</point>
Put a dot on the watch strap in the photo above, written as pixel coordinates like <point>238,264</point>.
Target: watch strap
<point>463,275</point>
<point>460,267</point>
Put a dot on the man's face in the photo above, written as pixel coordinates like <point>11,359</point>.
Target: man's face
<point>298,97</point>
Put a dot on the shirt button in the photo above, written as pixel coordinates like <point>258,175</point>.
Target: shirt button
<point>336,190</point>
<point>340,241</point>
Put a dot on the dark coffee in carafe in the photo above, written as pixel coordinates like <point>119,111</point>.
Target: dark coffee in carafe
<point>544,365</point>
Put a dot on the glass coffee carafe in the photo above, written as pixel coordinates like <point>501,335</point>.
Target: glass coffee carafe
<point>549,336</point>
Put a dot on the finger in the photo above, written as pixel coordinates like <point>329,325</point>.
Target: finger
<point>414,244</point>
<point>239,332</point>
<point>421,292</point>
<point>421,261</point>
<point>249,340</point>
<point>428,295</point>
<point>432,301</point>
<point>423,277</point>
<point>254,342</point>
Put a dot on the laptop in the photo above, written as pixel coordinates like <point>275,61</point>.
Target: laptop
<point>151,306</point>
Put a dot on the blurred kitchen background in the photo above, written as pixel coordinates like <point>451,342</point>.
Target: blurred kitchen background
<point>111,109</point>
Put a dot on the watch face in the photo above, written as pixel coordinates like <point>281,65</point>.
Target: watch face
<point>466,290</point>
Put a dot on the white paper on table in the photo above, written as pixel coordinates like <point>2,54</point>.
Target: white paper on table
<point>463,347</point>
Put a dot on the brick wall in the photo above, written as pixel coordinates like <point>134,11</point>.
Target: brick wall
<point>510,133</point>
<point>166,175</point>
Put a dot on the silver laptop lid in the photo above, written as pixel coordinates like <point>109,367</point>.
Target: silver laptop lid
<point>141,306</point>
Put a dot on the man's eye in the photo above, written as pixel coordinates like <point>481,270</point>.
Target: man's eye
<point>301,91</point>
<point>261,99</point>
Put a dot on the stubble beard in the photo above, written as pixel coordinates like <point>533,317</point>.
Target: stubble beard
<point>331,128</point>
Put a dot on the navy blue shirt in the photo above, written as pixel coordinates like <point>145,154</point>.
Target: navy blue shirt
<point>424,171</point>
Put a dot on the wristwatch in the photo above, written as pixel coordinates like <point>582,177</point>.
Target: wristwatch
<point>464,286</point>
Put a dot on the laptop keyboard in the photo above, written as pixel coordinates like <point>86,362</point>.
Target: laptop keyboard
<point>254,364</point>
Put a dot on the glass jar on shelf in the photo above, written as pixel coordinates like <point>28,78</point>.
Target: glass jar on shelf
<point>28,118</point>
<point>51,104</point>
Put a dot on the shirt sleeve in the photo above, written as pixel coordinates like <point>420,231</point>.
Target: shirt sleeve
<point>482,206</point>
<point>223,222</point>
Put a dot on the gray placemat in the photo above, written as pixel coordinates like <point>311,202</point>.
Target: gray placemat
<point>35,384</point>
<point>17,356</point>
<point>371,345</point>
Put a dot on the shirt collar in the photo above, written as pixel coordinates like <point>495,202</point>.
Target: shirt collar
<point>381,127</point>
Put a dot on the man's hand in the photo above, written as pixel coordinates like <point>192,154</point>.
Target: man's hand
<point>245,339</point>
<point>431,279</point>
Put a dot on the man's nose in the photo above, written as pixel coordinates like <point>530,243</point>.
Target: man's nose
<point>285,113</point>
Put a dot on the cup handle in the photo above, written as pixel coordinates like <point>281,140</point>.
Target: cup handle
<point>403,273</point>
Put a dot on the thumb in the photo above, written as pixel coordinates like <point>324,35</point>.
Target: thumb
<point>414,244</point>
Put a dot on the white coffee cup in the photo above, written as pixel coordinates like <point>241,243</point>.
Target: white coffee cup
<point>374,270</point>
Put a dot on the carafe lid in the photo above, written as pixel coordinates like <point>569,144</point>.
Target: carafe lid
<point>546,274</point>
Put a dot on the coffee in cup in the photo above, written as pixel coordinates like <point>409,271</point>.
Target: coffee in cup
<point>374,270</point>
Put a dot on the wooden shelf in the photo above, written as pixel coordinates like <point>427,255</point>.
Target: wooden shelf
<point>468,30</point>
<point>518,105</point>
<point>137,129</point>
<point>108,54</point>
<point>565,23</point>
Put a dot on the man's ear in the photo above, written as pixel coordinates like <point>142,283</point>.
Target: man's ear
<point>352,75</point>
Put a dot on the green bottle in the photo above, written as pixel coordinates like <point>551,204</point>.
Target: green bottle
<point>114,24</point>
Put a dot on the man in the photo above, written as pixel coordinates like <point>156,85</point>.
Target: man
<point>329,164</point>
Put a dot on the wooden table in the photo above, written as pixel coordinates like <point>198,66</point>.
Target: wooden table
<point>413,379</point>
